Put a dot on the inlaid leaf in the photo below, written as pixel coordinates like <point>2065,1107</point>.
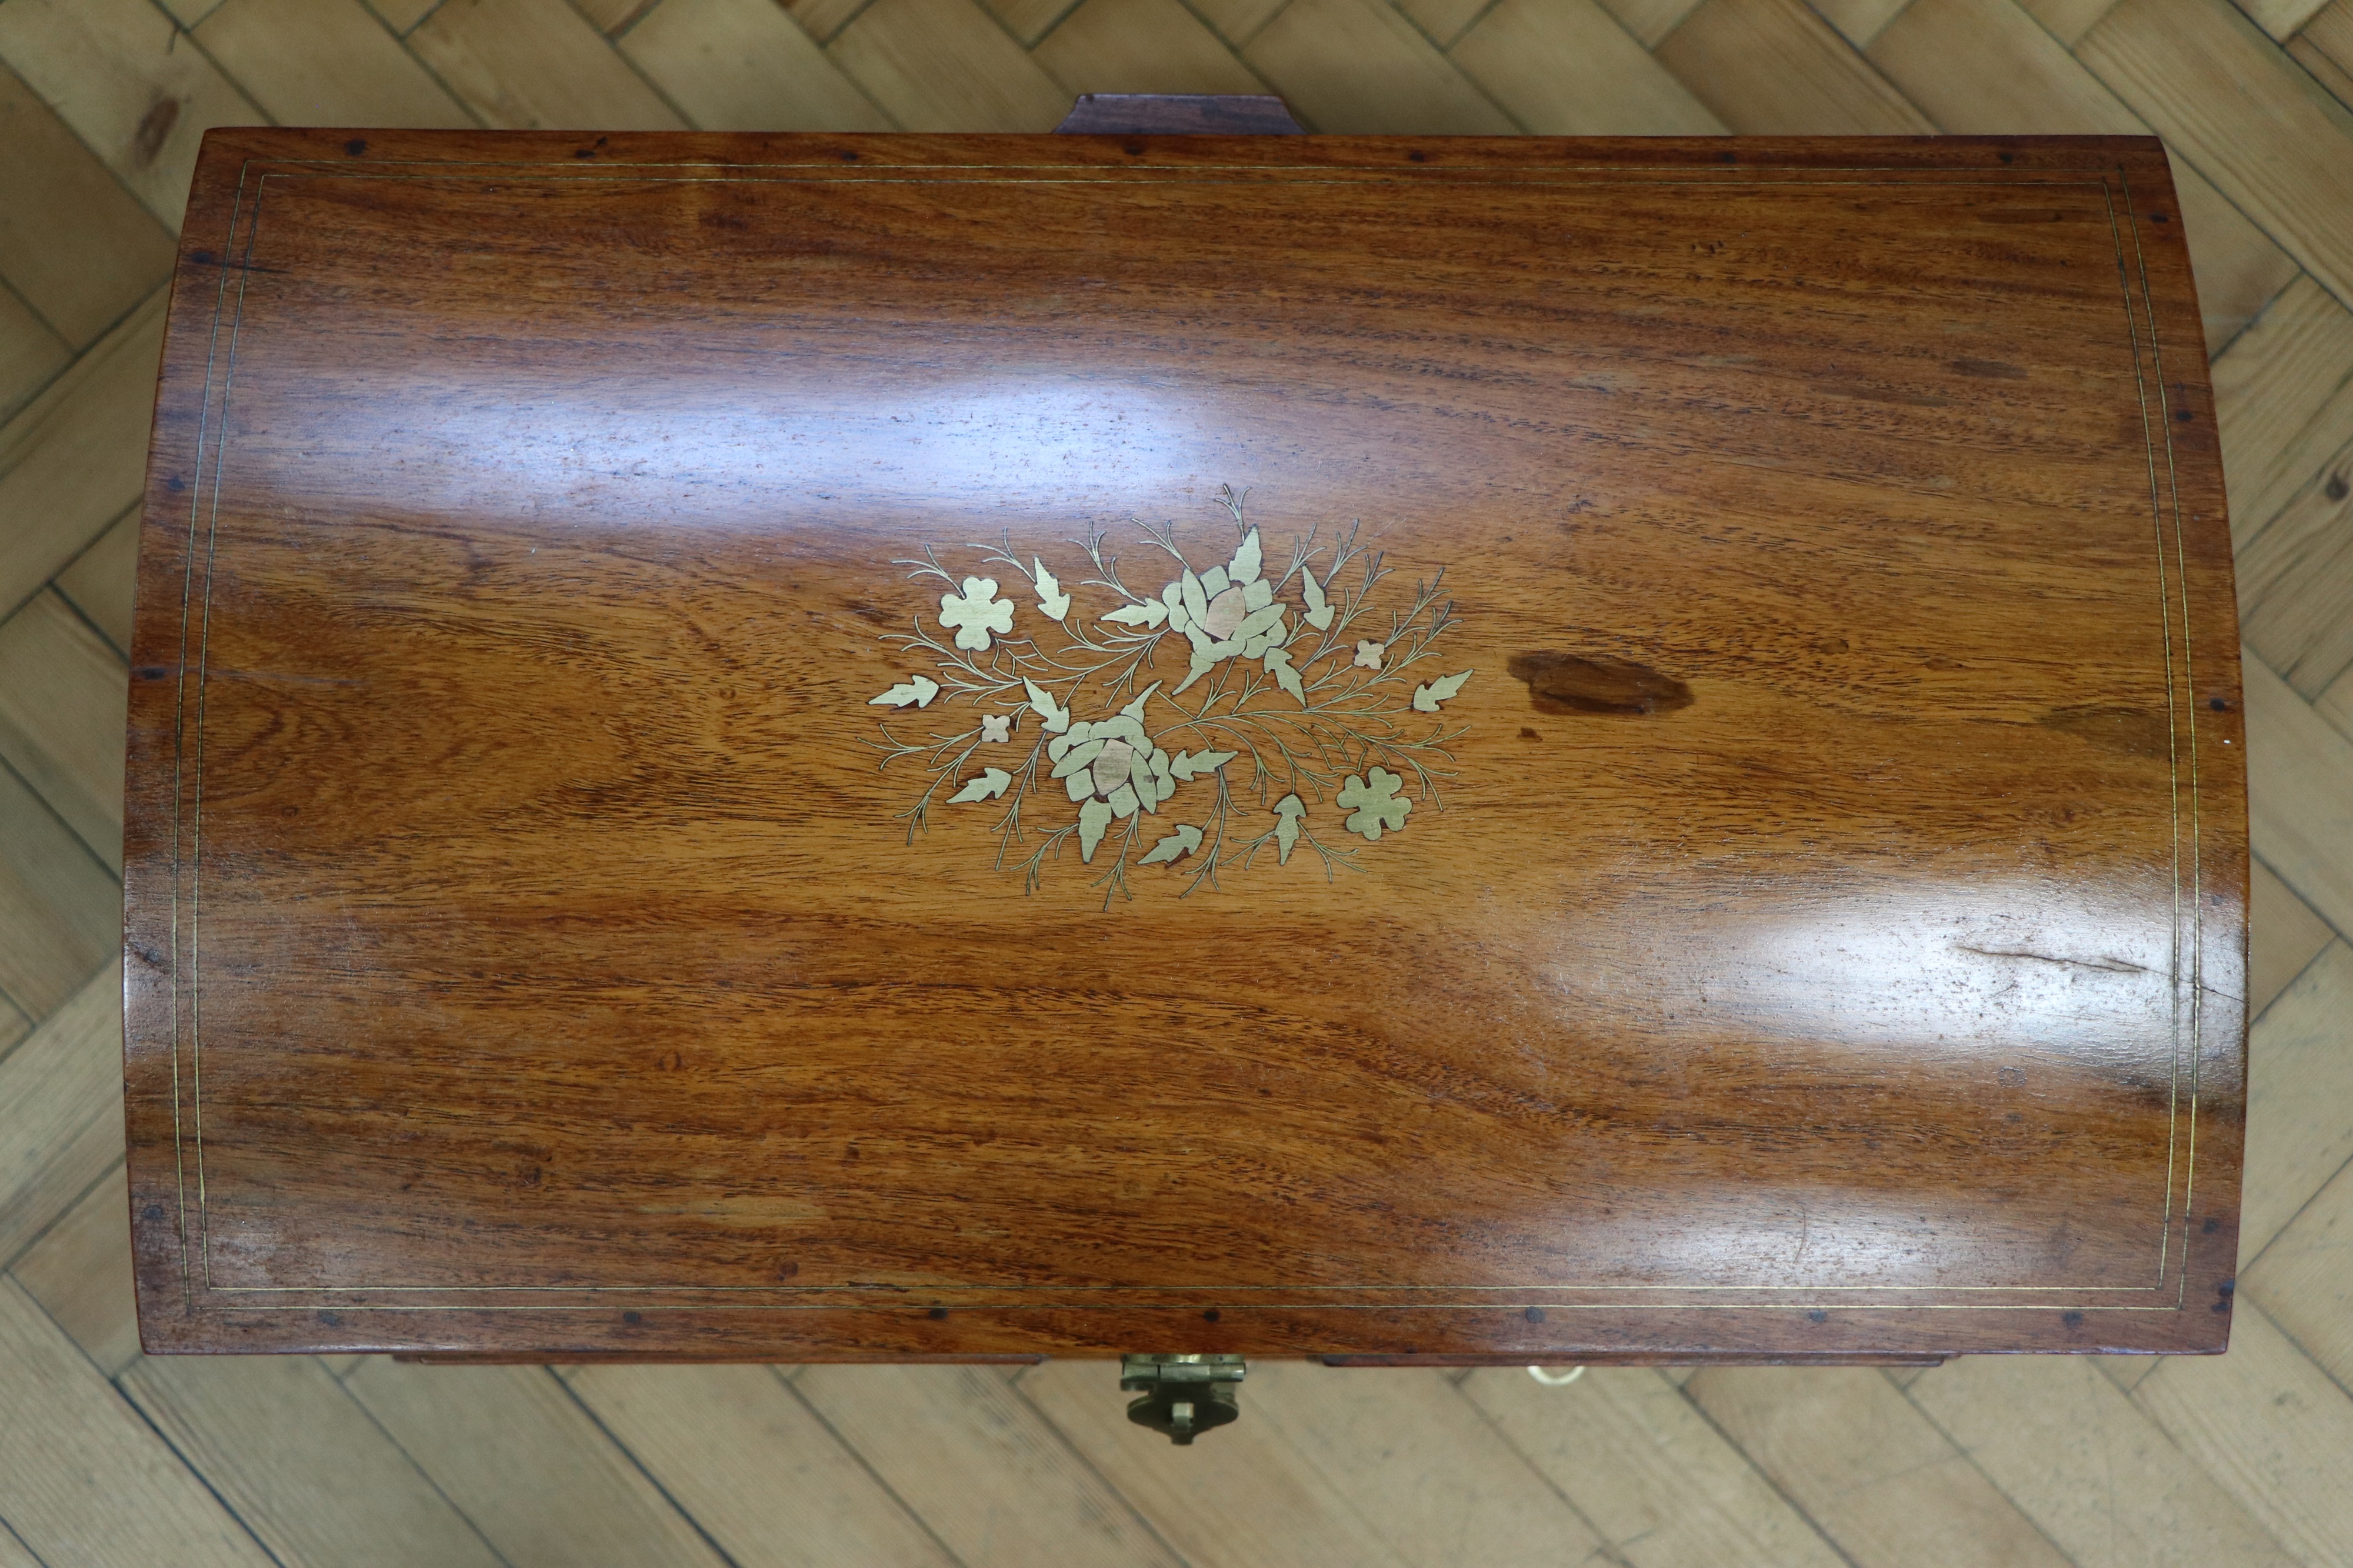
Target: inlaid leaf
<point>1203,662</point>
<point>1052,603</point>
<point>988,786</point>
<point>1426,699</point>
<point>918,689</point>
<point>1093,817</point>
<point>1135,710</point>
<point>1319,611</point>
<point>1287,811</point>
<point>1183,841</point>
<point>1257,621</point>
<point>1278,664</point>
<point>1190,765</point>
<point>1055,719</point>
<point>1246,560</point>
<point>1148,614</point>
<point>1079,757</point>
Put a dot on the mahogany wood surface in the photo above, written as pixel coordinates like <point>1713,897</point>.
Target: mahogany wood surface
<point>1816,930</point>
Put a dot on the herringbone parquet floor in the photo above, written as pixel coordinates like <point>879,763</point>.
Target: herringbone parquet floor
<point>107,1457</point>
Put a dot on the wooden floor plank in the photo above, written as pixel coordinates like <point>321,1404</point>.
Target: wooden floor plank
<point>307,1470</point>
<point>2267,1424</point>
<point>1773,67</point>
<point>1238,21</point>
<point>60,912</point>
<point>1859,22</point>
<point>2296,581</point>
<point>2252,120</point>
<point>1140,46</point>
<point>60,1111</point>
<point>1650,20</point>
<point>101,580</point>
<point>1357,68</point>
<point>80,1271</point>
<point>1644,1465</point>
<point>88,1484</point>
<point>2299,1099</point>
<point>824,19</point>
<point>2335,704</point>
<point>1422,1466</point>
<point>944,65</point>
<point>2300,815</point>
<point>2323,45</point>
<point>2283,936</point>
<point>748,1460</point>
<point>2281,18</point>
<point>2088,1467</point>
<point>536,65</point>
<point>1241,1497</point>
<point>14,1553</point>
<point>744,65</point>
<point>74,241</point>
<point>1443,22</point>
<point>1026,20</point>
<point>120,74</point>
<point>2284,402</point>
<point>76,456</point>
<point>2304,1277</point>
<point>2325,68</point>
<point>324,62</point>
<point>64,700</point>
<point>977,1463</point>
<point>30,353</point>
<point>1565,67</point>
<point>521,1459</point>
<point>1981,68</point>
<point>1869,1470</point>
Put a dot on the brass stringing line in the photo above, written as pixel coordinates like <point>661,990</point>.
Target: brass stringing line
<point>203,658</point>
<point>179,723</point>
<point>2190,680</point>
<point>2173,743</point>
<point>1268,1307</point>
<point>1699,176</point>
<point>903,1293</point>
<point>1700,172</point>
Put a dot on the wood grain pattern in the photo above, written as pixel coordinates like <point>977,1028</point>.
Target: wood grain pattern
<point>1853,1006</point>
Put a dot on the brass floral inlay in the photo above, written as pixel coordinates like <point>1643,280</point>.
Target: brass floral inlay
<point>1285,703</point>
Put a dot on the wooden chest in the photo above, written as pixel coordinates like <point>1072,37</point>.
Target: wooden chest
<point>903,748</point>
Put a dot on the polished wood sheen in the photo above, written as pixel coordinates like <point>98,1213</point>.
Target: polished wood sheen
<point>1821,938</point>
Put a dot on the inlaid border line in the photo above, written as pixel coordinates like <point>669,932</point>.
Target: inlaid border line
<point>1726,176</point>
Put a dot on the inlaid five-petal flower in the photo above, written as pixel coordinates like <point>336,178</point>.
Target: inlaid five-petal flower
<point>975,613</point>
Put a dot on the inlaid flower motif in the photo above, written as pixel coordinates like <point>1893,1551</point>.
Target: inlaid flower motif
<point>1227,612</point>
<point>1114,769</point>
<point>1242,772</point>
<point>1373,803</point>
<point>975,613</point>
